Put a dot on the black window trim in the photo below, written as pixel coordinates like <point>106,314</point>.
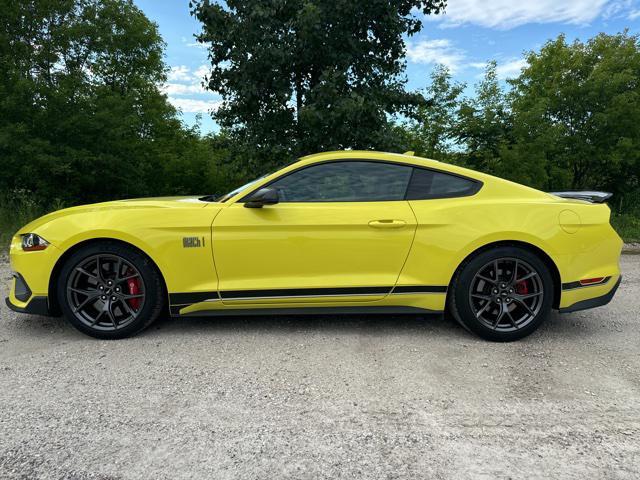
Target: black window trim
<point>478,184</point>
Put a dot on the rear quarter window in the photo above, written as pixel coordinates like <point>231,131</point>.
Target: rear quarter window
<point>429,184</point>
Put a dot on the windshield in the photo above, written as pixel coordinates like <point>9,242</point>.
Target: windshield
<point>227,196</point>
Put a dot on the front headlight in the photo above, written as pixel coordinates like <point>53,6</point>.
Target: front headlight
<point>32,242</point>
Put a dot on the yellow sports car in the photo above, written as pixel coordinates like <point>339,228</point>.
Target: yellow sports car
<point>337,232</point>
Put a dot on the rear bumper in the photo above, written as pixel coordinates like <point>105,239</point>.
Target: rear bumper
<point>593,302</point>
<point>36,306</point>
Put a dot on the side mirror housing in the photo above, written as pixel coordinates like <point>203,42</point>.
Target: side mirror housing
<point>264,196</point>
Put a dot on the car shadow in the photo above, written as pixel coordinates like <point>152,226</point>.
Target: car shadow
<point>567,327</point>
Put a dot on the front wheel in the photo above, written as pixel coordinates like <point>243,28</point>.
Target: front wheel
<point>109,291</point>
<point>502,294</point>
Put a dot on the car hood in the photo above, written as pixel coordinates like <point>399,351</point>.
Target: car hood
<point>129,204</point>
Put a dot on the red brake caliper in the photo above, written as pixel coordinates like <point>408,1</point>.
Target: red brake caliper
<point>522,288</point>
<point>134,289</point>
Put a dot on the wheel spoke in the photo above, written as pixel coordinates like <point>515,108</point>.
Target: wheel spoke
<point>86,272</point>
<point>129,297</point>
<point>85,302</point>
<point>500,315</point>
<point>83,292</point>
<point>515,272</point>
<point>527,295</point>
<point>483,297</point>
<point>118,270</point>
<point>99,268</point>
<point>527,308</point>
<point>487,279</point>
<point>95,320</point>
<point>496,269</point>
<point>513,322</point>
<point>128,308</point>
<point>111,316</point>
<point>483,309</point>
<point>129,277</point>
<point>527,277</point>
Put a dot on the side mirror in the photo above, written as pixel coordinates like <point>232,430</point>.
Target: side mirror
<point>264,196</point>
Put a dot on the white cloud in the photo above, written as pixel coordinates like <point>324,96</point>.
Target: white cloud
<point>184,81</point>
<point>510,69</point>
<point>437,51</point>
<point>179,73</point>
<point>185,91</point>
<point>201,71</point>
<point>181,89</point>
<point>634,14</point>
<point>192,105</point>
<point>509,13</point>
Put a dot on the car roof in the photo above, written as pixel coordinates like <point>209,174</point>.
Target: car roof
<point>371,155</point>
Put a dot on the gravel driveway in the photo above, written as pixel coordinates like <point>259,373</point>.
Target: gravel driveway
<point>324,397</point>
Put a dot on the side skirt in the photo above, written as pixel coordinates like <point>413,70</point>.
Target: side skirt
<point>310,311</point>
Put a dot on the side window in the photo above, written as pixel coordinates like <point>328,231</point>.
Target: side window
<point>427,184</point>
<point>345,181</point>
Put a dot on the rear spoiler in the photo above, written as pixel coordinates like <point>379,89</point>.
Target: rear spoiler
<point>593,197</point>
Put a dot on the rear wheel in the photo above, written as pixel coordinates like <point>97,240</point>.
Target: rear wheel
<point>502,294</point>
<point>109,291</point>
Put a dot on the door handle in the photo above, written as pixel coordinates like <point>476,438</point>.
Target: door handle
<point>387,223</point>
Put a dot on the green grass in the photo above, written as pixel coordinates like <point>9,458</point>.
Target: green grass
<point>15,212</point>
<point>627,225</point>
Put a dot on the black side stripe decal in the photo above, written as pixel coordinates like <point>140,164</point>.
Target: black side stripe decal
<point>190,298</point>
<point>421,289</point>
<point>574,285</point>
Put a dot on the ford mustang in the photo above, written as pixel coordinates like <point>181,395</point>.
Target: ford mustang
<point>336,232</point>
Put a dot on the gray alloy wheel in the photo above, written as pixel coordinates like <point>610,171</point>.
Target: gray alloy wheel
<point>501,294</point>
<point>110,290</point>
<point>506,294</point>
<point>105,292</point>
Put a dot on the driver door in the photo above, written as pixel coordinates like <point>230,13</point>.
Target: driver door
<point>341,232</point>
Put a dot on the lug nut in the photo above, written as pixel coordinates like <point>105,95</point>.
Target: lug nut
<point>109,283</point>
<point>101,287</point>
<point>511,290</point>
<point>103,297</point>
<point>117,289</point>
<point>113,298</point>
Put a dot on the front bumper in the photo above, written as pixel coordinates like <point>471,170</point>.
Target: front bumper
<point>22,300</point>
<point>593,302</point>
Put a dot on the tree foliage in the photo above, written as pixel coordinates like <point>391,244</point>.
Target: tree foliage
<point>576,114</point>
<point>434,130</point>
<point>82,117</point>
<point>300,76</point>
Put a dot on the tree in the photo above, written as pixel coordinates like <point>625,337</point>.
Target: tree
<point>483,124</point>
<point>301,76</point>
<point>576,114</point>
<point>82,117</point>
<point>433,132</point>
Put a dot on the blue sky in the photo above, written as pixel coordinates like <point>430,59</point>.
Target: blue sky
<point>468,35</point>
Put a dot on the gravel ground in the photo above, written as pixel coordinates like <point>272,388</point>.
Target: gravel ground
<point>324,397</point>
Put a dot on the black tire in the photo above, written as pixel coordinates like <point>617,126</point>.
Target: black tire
<point>478,300</point>
<point>118,318</point>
